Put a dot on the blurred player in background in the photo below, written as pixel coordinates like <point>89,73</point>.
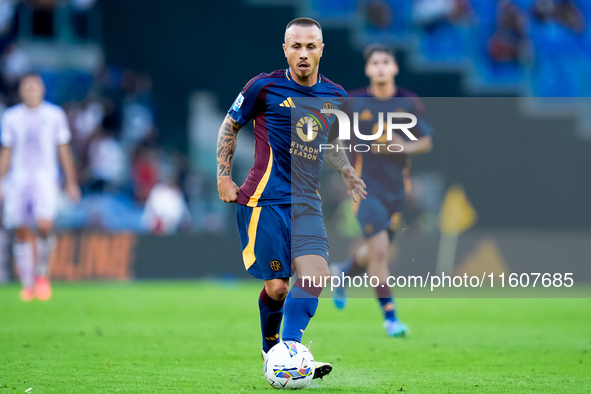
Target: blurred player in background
<point>35,135</point>
<point>276,231</point>
<point>166,210</point>
<point>385,174</point>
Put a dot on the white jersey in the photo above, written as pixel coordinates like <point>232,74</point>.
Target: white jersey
<point>31,187</point>
<point>33,136</point>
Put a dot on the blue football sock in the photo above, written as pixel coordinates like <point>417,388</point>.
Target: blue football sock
<point>384,295</point>
<point>300,305</point>
<point>271,314</point>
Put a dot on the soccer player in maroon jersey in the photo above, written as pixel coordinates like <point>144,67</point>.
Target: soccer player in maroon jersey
<point>279,219</point>
<point>385,174</point>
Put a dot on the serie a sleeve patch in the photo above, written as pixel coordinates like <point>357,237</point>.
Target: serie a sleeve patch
<point>238,102</point>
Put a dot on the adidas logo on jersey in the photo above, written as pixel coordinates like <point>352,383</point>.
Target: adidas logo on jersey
<point>287,103</point>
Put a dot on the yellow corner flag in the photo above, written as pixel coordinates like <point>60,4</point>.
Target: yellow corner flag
<point>457,214</point>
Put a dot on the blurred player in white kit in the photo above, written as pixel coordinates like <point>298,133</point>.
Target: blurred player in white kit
<point>35,135</point>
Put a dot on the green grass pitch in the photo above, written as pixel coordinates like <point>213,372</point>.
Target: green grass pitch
<point>204,337</point>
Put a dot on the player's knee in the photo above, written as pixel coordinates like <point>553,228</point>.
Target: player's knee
<point>380,255</point>
<point>44,228</point>
<point>23,234</point>
<point>320,277</point>
<point>324,272</point>
<point>277,289</point>
<point>378,249</point>
<point>362,254</point>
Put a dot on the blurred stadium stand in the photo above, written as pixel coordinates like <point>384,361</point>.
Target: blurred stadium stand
<point>110,108</point>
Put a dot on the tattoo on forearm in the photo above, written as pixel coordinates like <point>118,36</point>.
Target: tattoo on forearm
<point>227,145</point>
<point>337,157</point>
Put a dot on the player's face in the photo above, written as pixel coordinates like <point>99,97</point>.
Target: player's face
<point>303,49</point>
<point>32,91</point>
<point>381,68</point>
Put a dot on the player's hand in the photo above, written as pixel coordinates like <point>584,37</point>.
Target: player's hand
<point>355,185</point>
<point>73,192</point>
<point>398,140</point>
<point>227,189</point>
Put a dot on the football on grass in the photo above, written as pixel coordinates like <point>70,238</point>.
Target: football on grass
<point>289,366</point>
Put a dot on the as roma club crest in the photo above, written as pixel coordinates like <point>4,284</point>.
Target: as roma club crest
<point>275,265</point>
<point>328,105</point>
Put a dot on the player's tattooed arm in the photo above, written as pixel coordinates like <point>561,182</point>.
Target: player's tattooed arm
<point>227,145</point>
<point>227,137</point>
<point>337,158</point>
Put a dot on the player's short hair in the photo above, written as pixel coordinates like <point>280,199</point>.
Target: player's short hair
<point>29,74</point>
<point>370,50</point>
<point>303,21</point>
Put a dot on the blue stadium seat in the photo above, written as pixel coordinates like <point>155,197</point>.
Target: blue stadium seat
<point>333,9</point>
<point>445,42</point>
